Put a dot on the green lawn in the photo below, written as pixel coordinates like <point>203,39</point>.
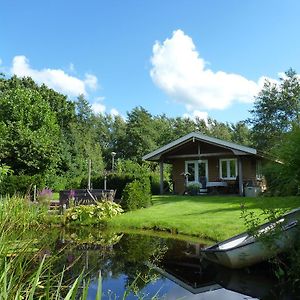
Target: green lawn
<point>215,218</point>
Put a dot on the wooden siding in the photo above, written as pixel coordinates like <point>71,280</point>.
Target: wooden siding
<point>248,167</point>
<point>192,148</point>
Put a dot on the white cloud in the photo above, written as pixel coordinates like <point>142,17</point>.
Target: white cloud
<point>114,112</point>
<point>179,71</point>
<point>202,115</point>
<point>56,79</point>
<point>98,107</point>
<point>0,61</point>
<point>91,81</point>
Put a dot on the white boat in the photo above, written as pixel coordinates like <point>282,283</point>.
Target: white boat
<point>245,250</point>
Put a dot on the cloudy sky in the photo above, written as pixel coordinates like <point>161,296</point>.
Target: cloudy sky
<point>182,58</point>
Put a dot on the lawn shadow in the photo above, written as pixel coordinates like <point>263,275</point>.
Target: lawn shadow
<point>234,202</point>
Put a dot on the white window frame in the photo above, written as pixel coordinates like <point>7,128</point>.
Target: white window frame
<point>228,160</point>
<point>259,174</point>
<point>196,167</point>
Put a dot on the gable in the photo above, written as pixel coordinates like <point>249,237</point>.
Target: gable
<point>197,144</point>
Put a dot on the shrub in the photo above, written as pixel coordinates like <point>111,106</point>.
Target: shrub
<point>127,171</point>
<point>193,188</point>
<point>4,171</point>
<point>137,194</point>
<point>118,182</point>
<point>113,181</point>
<point>21,184</point>
<point>284,178</point>
<point>87,214</point>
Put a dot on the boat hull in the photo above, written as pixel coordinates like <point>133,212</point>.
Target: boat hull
<point>245,250</point>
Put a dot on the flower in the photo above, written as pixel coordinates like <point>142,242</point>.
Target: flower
<point>71,194</point>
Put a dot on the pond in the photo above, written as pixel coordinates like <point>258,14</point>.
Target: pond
<point>141,266</point>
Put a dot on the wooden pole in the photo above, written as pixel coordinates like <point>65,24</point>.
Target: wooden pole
<point>240,172</point>
<point>161,169</point>
<point>105,177</point>
<point>89,174</point>
<point>34,193</point>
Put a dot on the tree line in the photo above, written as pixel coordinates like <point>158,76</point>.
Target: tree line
<point>44,133</point>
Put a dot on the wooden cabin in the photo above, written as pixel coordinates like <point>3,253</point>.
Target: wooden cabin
<point>215,164</point>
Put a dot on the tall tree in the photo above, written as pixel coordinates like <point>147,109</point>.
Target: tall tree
<point>140,134</point>
<point>29,131</point>
<point>220,130</point>
<point>275,108</point>
<point>111,133</point>
<point>241,134</point>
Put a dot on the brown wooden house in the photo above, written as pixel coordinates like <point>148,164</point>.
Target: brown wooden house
<point>214,163</point>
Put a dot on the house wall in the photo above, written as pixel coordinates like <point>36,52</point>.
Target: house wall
<point>248,168</point>
<point>177,178</point>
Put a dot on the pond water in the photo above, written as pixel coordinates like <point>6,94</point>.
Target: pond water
<point>144,267</point>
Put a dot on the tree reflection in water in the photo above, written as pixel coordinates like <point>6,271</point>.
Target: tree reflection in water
<point>142,266</point>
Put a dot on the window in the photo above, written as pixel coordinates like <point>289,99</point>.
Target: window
<point>196,169</point>
<point>259,173</point>
<point>228,168</point>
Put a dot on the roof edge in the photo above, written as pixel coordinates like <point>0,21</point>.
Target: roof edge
<point>199,136</point>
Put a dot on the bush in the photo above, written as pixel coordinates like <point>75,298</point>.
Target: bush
<point>284,178</point>
<point>126,171</point>
<point>87,214</point>
<point>113,181</point>
<point>21,184</point>
<point>193,189</point>
<point>118,182</point>
<point>137,194</point>
<point>4,171</point>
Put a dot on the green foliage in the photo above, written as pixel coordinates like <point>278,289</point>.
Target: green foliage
<point>125,172</point>
<point>27,269</point>
<point>4,171</point>
<point>137,194</point>
<point>275,108</point>
<point>140,134</point>
<point>31,132</point>
<point>284,178</point>
<point>44,133</point>
<point>113,181</point>
<point>193,189</point>
<point>21,184</point>
<point>86,235</point>
<point>92,214</point>
<point>17,212</point>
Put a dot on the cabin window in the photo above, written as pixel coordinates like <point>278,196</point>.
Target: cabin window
<point>259,174</point>
<point>196,170</point>
<point>191,167</point>
<point>228,168</point>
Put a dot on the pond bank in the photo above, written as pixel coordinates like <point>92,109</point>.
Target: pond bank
<point>202,217</point>
<point>207,217</point>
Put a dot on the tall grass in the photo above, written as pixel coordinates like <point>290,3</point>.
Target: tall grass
<point>25,270</point>
<point>20,213</point>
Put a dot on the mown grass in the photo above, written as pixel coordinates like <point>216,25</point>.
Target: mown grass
<point>215,218</point>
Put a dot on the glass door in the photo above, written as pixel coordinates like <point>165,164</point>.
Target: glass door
<point>197,170</point>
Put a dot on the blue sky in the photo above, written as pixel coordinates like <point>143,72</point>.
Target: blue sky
<point>192,57</point>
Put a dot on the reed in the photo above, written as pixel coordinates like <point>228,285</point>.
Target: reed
<point>25,270</point>
<point>20,213</point>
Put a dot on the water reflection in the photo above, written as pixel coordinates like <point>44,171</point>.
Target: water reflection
<point>141,266</point>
